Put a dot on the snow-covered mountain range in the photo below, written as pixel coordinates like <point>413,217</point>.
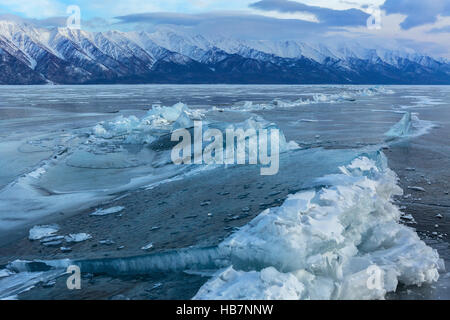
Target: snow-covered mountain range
<point>31,55</point>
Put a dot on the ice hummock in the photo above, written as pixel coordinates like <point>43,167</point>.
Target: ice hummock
<point>402,128</point>
<point>122,143</point>
<point>115,156</point>
<point>325,244</point>
<point>257,123</point>
<point>133,130</point>
<point>409,126</point>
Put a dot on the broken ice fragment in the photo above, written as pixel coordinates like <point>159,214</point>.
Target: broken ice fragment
<point>5,273</point>
<point>409,218</point>
<point>157,285</point>
<point>147,247</point>
<point>40,232</point>
<point>79,237</point>
<point>107,242</point>
<point>49,284</point>
<point>52,243</point>
<point>52,239</point>
<point>105,212</point>
<point>420,189</point>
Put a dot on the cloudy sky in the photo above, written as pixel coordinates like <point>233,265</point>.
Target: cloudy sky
<point>419,24</point>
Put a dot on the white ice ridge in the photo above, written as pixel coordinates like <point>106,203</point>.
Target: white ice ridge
<point>255,124</point>
<point>409,126</point>
<point>158,121</point>
<point>402,128</point>
<point>341,242</point>
<point>316,98</point>
<point>133,130</point>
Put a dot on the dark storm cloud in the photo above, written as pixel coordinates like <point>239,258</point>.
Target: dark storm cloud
<point>330,17</point>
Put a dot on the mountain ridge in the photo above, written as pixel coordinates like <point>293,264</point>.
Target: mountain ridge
<point>31,55</point>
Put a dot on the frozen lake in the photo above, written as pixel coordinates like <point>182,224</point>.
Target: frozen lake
<point>66,149</point>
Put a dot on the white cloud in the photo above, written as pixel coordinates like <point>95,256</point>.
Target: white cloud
<point>434,44</point>
<point>119,8</point>
<point>34,8</point>
<point>285,15</point>
<point>342,4</point>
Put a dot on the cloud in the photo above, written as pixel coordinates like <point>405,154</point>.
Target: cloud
<point>47,22</point>
<point>163,18</point>
<point>330,17</point>
<point>234,24</point>
<point>108,8</point>
<point>94,24</point>
<point>418,12</point>
<point>267,19</point>
<point>34,8</point>
<point>445,29</point>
